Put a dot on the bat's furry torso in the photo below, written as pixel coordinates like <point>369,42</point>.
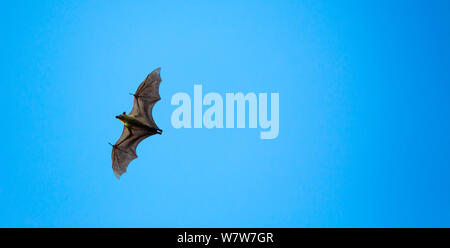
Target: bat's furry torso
<point>130,121</point>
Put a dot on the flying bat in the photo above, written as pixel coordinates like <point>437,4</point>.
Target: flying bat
<point>137,125</point>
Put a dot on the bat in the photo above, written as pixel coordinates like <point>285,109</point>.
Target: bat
<point>138,125</point>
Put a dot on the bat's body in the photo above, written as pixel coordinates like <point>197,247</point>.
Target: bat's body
<point>130,121</point>
<point>138,125</point>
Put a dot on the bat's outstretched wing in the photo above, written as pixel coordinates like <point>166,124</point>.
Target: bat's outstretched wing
<point>124,151</point>
<point>145,98</point>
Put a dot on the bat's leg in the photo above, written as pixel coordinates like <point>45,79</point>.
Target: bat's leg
<point>159,131</point>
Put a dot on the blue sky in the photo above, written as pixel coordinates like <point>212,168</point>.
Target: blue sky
<point>364,113</point>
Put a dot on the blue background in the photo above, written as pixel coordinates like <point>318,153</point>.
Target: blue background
<point>364,113</point>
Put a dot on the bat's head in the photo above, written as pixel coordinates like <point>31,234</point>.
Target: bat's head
<point>121,117</point>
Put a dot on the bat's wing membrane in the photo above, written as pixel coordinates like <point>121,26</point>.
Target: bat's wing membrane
<point>145,98</point>
<point>124,151</point>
